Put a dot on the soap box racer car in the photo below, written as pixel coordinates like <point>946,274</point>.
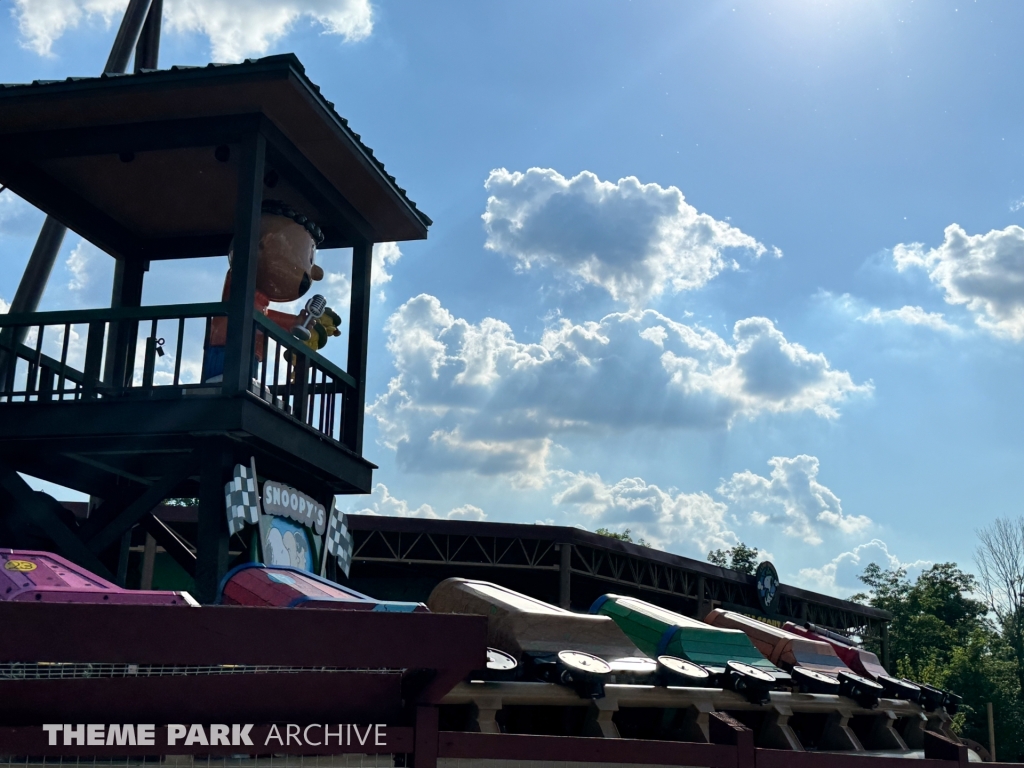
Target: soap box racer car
<point>860,661</point>
<point>781,647</point>
<point>588,651</point>
<point>548,642</point>
<point>658,631</point>
<point>520,625</point>
<point>866,663</point>
<point>27,575</point>
<point>285,587</point>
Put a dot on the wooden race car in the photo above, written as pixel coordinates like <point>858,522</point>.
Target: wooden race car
<point>285,587</point>
<point>658,632</point>
<point>27,575</point>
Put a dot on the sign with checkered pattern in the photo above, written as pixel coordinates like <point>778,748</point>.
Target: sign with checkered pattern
<point>338,541</point>
<point>242,497</point>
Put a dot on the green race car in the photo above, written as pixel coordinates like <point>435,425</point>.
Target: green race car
<point>660,632</point>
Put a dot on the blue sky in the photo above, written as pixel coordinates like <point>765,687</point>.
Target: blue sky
<point>709,271</point>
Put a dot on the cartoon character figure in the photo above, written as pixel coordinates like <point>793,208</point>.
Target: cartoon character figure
<point>323,329</point>
<point>285,543</point>
<point>285,271</point>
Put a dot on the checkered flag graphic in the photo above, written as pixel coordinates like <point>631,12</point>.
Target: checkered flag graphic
<point>242,497</point>
<point>338,541</point>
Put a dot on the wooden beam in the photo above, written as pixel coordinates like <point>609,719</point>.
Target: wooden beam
<point>169,540</point>
<point>160,634</point>
<point>212,536</point>
<point>150,136</point>
<point>29,506</point>
<point>186,246</point>
<point>358,334</point>
<point>308,180</point>
<point>79,316</point>
<point>426,737</point>
<point>238,348</point>
<point>78,214</point>
<point>178,472</point>
<point>126,292</point>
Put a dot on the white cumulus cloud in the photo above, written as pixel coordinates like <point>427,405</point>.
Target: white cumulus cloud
<point>694,522</point>
<point>235,30</point>
<point>337,283</point>
<point>384,255</point>
<point>909,315</point>
<point>382,502</point>
<point>985,273</point>
<point>42,22</point>
<point>18,218</point>
<point>839,575</point>
<point>471,396</point>
<point>793,498</point>
<point>634,240</point>
<point>79,264</point>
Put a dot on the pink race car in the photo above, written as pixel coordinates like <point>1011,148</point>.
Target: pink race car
<point>28,576</point>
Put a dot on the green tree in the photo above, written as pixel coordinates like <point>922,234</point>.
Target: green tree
<point>626,536</point>
<point>1000,561</point>
<point>982,670</point>
<point>739,558</point>
<point>182,502</point>
<point>941,635</point>
<point>930,616</point>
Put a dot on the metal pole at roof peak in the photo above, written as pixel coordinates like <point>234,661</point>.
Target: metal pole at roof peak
<point>51,236</point>
<point>127,36</point>
<point>147,50</point>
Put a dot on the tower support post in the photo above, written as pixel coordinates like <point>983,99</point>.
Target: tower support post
<point>212,535</point>
<point>239,349</point>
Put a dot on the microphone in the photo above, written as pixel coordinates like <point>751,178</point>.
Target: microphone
<point>312,312</point>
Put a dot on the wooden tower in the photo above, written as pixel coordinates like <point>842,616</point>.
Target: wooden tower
<point>174,164</point>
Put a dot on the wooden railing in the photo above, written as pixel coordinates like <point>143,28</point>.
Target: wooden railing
<point>93,353</point>
<point>294,378</point>
<point>158,352</point>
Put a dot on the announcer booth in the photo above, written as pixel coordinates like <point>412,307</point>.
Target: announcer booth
<point>136,404</point>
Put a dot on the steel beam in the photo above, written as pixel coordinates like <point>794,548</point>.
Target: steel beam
<point>172,544</point>
<point>147,49</point>
<point>51,236</point>
<point>127,36</point>
<point>30,289</point>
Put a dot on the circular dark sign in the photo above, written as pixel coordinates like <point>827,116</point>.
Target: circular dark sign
<point>767,586</point>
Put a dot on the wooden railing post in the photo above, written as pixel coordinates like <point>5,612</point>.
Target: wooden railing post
<point>940,747</point>
<point>724,729</point>
<point>149,363</point>
<point>426,736</point>
<point>301,374</point>
<point>93,358</point>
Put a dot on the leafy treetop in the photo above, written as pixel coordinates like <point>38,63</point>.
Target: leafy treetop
<point>626,536</point>
<point>739,558</point>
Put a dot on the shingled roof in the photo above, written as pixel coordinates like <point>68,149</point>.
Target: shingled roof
<point>276,86</point>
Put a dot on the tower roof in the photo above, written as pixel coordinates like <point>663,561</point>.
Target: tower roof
<point>145,165</point>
